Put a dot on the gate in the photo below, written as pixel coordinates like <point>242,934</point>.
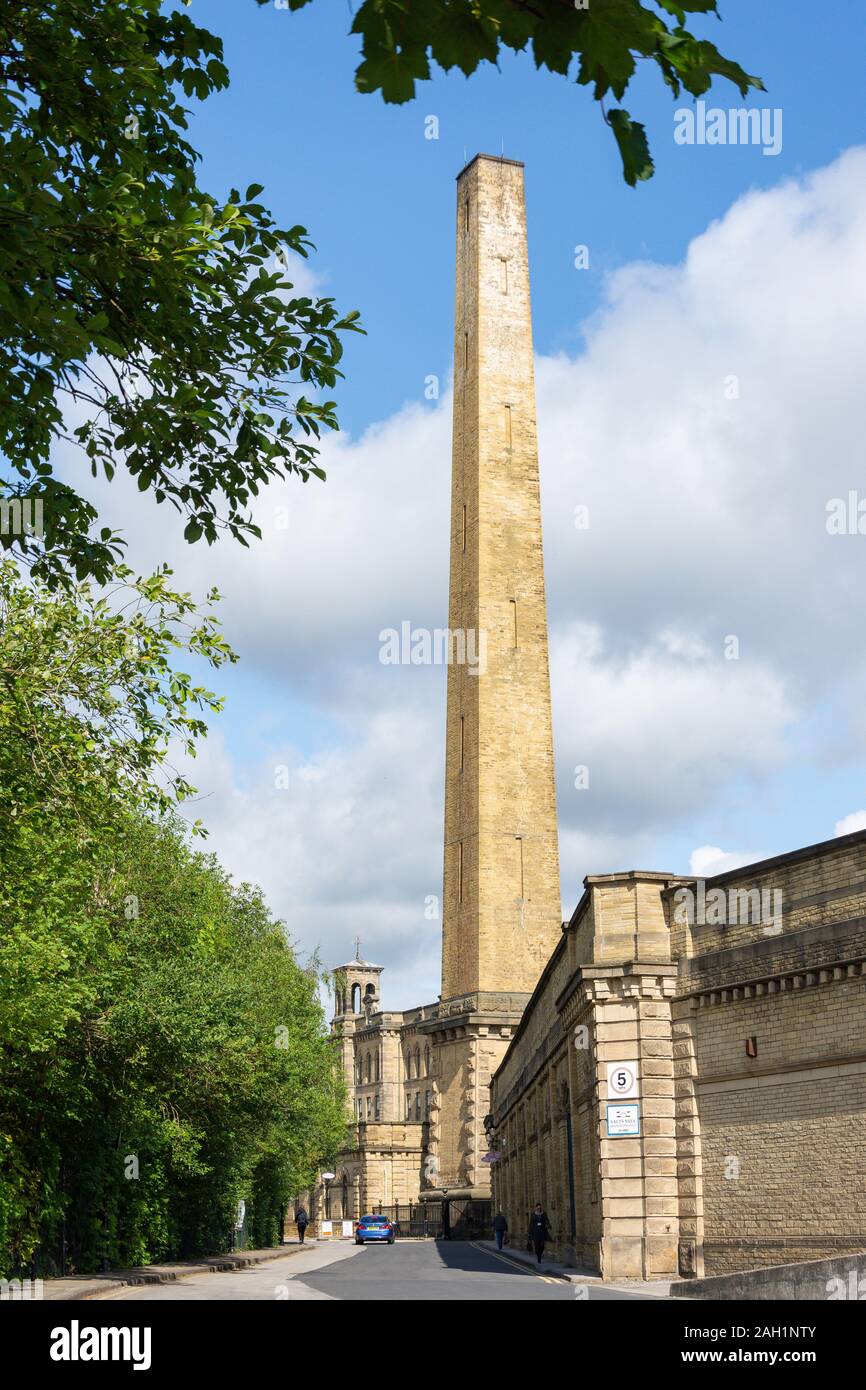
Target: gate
<point>466,1218</point>
<point>460,1218</point>
<point>411,1218</point>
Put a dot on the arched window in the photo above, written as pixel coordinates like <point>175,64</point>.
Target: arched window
<point>356,999</point>
<point>378,1065</point>
<point>427,1061</point>
<point>368,1069</point>
<point>417,1061</point>
<point>408,1064</point>
<point>417,1105</point>
<point>376,1106</point>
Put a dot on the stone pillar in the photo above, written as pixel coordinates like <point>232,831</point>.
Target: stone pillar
<point>640,1210</point>
<point>690,1159</point>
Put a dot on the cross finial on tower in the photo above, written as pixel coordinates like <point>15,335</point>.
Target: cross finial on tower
<point>357,948</point>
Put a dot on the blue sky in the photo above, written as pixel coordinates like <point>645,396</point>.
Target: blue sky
<point>377,196</point>
<point>708,512</point>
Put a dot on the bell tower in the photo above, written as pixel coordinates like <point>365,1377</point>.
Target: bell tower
<point>356,996</point>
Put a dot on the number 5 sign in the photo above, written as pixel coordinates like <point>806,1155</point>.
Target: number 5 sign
<point>621,1079</point>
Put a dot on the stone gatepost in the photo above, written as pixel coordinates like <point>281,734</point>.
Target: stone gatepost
<point>631,1008</point>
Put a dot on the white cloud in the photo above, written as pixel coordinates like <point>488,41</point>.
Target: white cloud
<point>663,727</point>
<point>709,860</point>
<point>848,824</point>
<point>707,509</point>
<point>707,514</point>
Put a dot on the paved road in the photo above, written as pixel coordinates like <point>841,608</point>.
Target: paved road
<point>406,1272</point>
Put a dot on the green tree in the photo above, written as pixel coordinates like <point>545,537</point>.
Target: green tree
<point>600,41</point>
<point>142,319</point>
<point>194,1069</point>
<point>153,1016</point>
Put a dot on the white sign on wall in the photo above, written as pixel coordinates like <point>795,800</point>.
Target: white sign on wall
<point>326,1228</point>
<point>621,1080</point>
<point>347,1228</point>
<point>623,1121</point>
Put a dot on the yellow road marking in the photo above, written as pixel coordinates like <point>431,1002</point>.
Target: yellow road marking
<point>515,1264</point>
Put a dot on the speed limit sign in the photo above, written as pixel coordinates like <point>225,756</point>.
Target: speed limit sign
<point>622,1079</point>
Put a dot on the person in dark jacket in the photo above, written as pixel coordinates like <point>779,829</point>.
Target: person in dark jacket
<point>500,1226</point>
<point>301,1221</point>
<point>539,1230</point>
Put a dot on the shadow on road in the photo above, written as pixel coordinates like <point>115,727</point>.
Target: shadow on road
<point>460,1254</point>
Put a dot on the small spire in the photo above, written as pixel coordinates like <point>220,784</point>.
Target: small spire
<point>357,948</point>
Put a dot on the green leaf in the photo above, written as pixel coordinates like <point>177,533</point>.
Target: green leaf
<point>633,148</point>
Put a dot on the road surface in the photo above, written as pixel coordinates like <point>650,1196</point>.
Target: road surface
<point>406,1272</point>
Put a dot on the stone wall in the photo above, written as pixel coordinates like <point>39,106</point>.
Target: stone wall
<point>384,1166</point>
<point>750,1039</point>
<point>770,1047</point>
<point>612,1202</point>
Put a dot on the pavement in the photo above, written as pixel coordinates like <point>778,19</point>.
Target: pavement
<point>98,1285</point>
<point>408,1271</point>
<point>642,1288</point>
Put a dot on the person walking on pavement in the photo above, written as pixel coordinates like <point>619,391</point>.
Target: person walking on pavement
<point>539,1230</point>
<point>500,1226</point>
<point>301,1221</point>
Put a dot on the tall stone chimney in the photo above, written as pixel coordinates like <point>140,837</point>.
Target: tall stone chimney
<point>501,894</point>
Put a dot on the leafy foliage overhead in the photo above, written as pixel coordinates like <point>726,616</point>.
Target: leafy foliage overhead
<point>142,319</point>
<point>601,41</point>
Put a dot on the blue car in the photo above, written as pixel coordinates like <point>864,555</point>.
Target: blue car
<point>374,1228</point>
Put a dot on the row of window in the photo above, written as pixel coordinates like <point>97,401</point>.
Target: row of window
<point>416,1105</point>
<point>369,1067</point>
<point>416,1057</point>
<point>369,1107</point>
<point>364,1068</point>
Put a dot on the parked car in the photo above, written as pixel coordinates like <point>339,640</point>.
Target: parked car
<point>374,1228</point>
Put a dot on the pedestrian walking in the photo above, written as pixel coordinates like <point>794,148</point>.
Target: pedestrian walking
<point>500,1226</point>
<point>539,1230</point>
<point>302,1221</point>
